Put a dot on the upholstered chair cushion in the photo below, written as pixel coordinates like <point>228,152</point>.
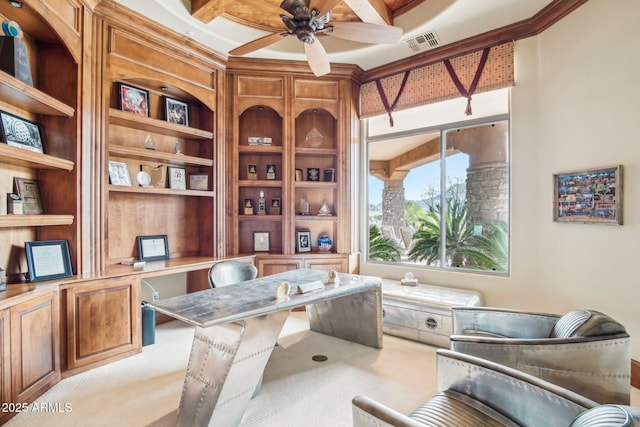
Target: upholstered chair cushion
<point>604,415</point>
<point>585,323</point>
<point>452,409</point>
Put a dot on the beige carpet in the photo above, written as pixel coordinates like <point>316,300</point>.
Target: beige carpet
<point>144,390</point>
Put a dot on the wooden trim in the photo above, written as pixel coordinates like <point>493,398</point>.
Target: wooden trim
<point>635,373</point>
<point>551,14</point>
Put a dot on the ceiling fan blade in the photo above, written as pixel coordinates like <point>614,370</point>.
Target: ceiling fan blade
<point>317,57</point>
<point>366,33</point>
<point>323,6</point>
<point>258,44</point>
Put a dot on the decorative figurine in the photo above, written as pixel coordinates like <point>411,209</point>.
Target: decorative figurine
<point>177,147</point>
<point>304,207</point>
<point>325,243</point>
<point>262,207</point>
<point>148,143</point>
<point>324,209</point>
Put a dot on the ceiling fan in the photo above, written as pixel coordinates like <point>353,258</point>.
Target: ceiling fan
<point>310,18</point>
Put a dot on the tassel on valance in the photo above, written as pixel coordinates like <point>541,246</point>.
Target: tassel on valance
<point>467,93</point>
<point>389,108</point>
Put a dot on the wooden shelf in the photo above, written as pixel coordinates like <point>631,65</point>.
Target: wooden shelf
<point>34,220</point>
<point>28,98</point>
<point>160,191</point>
<point>315,184</point>
<point>316,152</point>
<point>25,158</point>
<point>277,218</point>
<point>331,218</point>
<point>259,183</point>
<point>148,124</point>
<point>260,149</point>
<point>158,156</point>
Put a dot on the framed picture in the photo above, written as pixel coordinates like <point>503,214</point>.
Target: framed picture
<point>327,175</point>
<point>21,133</point>
<point>119,173</point>
<point>298,175</point>
<point>199,181</point>
<point>153,248</point>
<point>252,171</point>
<point>271,172</point>
<point>48,259</point>
<point>28,191</point>
<point>176,111</point>
<point>303,241</point>
<point>177,178</point>
<point>261,241</point>
<point>133,99</point>
<point>313,174</point>
<point>274,209</point>
<point>589,196</point>
<point>247,207</point>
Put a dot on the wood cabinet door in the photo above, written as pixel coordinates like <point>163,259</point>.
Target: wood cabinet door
<point>5,362</point>
<point>35,347</point>
<point>338,263</point>
<point>103,322</point>
<point>269,266</point>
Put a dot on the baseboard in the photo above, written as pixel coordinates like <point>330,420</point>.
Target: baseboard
<point>635,373</point>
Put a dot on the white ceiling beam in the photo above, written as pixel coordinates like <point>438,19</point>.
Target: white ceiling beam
<point>371,11</point>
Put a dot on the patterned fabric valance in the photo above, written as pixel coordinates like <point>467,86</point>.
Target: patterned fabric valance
<point>432,83</point>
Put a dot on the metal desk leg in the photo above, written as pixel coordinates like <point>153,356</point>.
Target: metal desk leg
<point>225,366</point>
<point>356,317</point>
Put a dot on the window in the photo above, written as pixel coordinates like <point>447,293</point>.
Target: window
<point>438,186</point>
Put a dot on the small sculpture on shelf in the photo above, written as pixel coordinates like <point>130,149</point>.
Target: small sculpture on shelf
<point>324,209</point>
<point>262,207</point>
<point>149,144</point>
<point>325,243</point>
<point>304,207</point>
<point>177,147</point>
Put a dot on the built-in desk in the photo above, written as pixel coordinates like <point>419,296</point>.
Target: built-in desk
<point>237,327</point>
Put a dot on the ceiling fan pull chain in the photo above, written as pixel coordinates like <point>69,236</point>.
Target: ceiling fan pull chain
<point>474,83</point>
<point>383,97</point>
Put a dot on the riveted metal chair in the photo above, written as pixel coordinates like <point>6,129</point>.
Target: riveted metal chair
<point>229,272</point>
<point>478,392</point>
<point>585,351</point>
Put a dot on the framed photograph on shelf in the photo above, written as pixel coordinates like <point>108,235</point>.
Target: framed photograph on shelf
<point>252,171</point>
<point>133,99</point>
<point>303,241</point>
<point>261,241</point>
<point>48,259</point>
<point>177,178</point>
<point>176,111</point>
<point>119,173</point>
<point>328,175</point>
<point>28,191</point>
<point>313,174</point>
<point>588,196</point>
<point>199,181</point>
<point>21,133</point>
<point>153,248</point>
<point>274,209</point>
<point>247,207</point>
<point>271,172</point>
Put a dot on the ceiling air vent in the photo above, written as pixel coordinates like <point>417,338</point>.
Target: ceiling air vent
<point>424,41</point>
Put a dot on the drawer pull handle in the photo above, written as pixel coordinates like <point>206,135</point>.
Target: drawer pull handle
<point>383,312</point>
<point>431,323</point>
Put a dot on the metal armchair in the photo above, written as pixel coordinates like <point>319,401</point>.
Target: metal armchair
<point>584,350</point>
<point>229,272</point>
<point>478,392</point>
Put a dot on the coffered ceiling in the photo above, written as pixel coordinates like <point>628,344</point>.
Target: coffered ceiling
<point>224,25</point>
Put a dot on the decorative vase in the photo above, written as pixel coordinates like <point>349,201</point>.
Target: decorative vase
<point>325,244</point>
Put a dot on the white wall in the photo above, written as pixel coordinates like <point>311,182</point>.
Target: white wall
<point>575,105</point>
